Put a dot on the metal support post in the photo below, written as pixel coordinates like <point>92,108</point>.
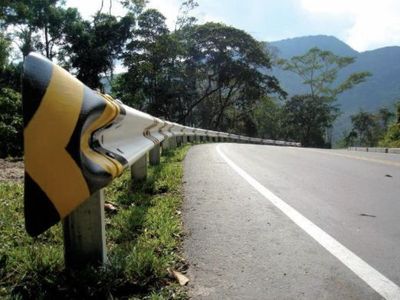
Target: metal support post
<point>84,234</point>
<point>165,144</point>
<point>172,142</point>
<point>179,141</point>
<point>139,169</point>
<point>154,155</point>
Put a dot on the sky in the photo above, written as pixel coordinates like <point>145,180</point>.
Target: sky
<point>362,24</point>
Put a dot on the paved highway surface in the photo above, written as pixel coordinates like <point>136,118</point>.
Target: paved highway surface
<point>267,222</point>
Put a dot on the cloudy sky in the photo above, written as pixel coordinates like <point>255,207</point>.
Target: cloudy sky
<point>363,24</point>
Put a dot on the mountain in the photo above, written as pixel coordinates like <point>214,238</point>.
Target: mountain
<point>381,89</point>
<point>300,45</point>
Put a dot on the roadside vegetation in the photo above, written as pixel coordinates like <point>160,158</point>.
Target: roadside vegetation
<point>144,234</point>
<point>375,129</point>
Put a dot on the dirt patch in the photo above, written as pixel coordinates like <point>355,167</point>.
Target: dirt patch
<point>11,170</point>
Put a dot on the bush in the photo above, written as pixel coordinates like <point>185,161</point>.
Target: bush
<point>11,123</point>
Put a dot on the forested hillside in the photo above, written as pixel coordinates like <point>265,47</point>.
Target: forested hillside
<point>382,88</point>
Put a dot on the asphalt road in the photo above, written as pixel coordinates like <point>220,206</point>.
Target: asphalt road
<point>243,246</point>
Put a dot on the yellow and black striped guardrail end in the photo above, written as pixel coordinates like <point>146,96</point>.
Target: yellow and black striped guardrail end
<point>64,163</point>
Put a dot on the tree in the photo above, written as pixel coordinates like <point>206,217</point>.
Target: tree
<point>385,116</point>
<point>371,129</point>
<point>306,118</point>
<point>10,104</point>
<point>39,25</point>
<point>151,59</point>
<point>267,117</point>
<point>4,50</point>
<point>229,67</point>
<point>11,124</point>
<point>209,75</point>
<point>91,48</point>
<point>184,19</point>
<point>391,138</point>
<point>365,128</point>
<point>9,73</point>
<point>319,71</point>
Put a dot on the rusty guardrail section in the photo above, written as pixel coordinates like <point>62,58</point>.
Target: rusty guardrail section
<point>76,141</point>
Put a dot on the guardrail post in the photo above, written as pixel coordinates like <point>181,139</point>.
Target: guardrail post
<point>139,169</point>
<point>198,139</point>
<point>178,141</point>
<point>84,234</point>
<point>165,144</point>
<point>154,155</point>
<point>184,139</point>
<point>172,142</point>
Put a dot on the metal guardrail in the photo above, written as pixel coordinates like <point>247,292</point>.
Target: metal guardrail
<point>375,149</point>
<point>76,141</point>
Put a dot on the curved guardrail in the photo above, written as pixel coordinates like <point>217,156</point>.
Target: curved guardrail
<point>77,140</point>
<point>375,149</point>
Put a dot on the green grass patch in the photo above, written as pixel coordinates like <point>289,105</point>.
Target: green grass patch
<point>143,240</point>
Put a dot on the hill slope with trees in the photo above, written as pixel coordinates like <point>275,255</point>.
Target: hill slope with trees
<point>382,88</point>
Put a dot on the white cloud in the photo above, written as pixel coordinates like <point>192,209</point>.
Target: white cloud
<point>374,23</point>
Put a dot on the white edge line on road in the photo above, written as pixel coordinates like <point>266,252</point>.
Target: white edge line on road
<point>382,285</point>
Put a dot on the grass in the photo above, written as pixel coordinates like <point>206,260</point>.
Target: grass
<point>143,240</point>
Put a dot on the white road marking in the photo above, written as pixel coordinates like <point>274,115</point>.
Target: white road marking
<point>382,285</point>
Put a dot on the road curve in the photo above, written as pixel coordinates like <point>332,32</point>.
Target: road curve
<point>243,246</point>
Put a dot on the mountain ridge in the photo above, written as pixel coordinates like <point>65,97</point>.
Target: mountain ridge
<point>381,89</point>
